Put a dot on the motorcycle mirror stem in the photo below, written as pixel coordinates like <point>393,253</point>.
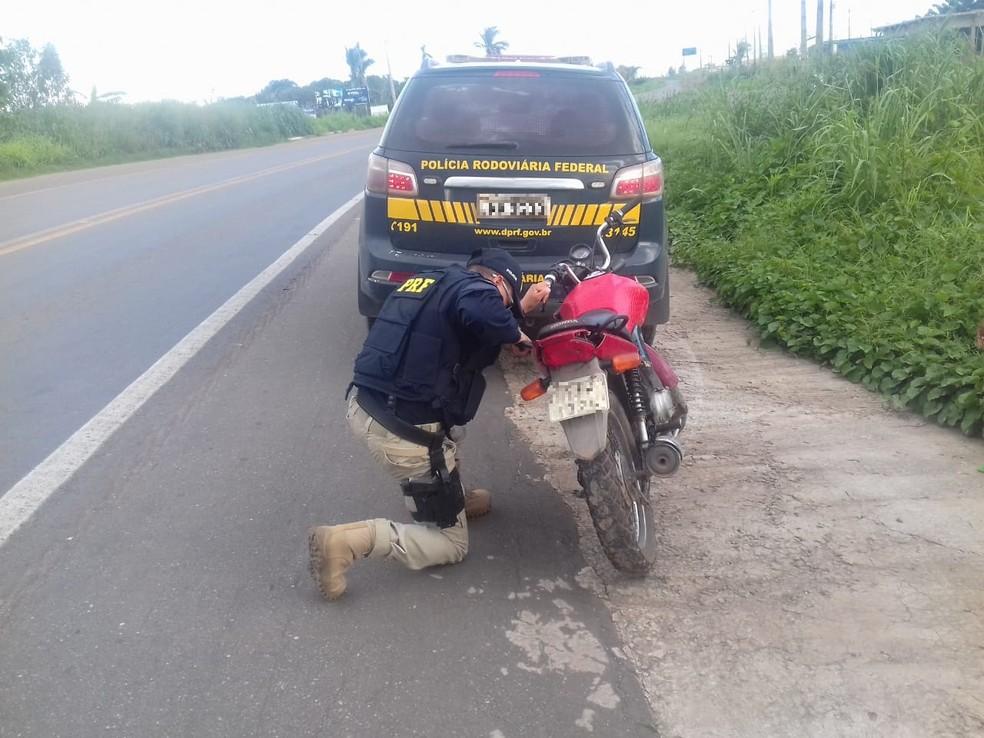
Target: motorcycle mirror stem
<point>614,219</point>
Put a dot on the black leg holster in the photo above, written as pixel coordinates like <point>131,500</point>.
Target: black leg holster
<point>439,500</point>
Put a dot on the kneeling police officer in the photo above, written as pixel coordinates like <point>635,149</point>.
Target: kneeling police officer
<point>418,377</point>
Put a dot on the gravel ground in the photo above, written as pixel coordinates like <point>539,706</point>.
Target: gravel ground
<point>821,567</point>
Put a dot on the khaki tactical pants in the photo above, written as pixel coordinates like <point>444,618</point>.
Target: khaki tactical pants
<point>415,545</point>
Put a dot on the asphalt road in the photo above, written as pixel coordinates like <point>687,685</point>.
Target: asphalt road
<point>163,590</point>
<point>103,271</point>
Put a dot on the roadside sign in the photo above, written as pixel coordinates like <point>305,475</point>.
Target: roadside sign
<point>690,51</point>
<point>356,96</point>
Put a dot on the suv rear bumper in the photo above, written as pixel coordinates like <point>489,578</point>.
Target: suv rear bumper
<point>647,259</point>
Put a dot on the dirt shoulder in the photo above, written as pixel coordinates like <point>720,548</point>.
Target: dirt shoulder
<point>821,567</point>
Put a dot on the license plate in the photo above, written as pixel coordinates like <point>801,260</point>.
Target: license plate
<point>577,397</point>
<point>514,207</point>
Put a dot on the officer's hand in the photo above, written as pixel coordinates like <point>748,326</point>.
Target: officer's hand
<point>523,347</point>
<point>535,296</point>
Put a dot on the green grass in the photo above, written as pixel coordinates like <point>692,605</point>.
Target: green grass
<point>839,204</point>
<point>53,139</point>
<point>647,84</point>
<point>339,122</point>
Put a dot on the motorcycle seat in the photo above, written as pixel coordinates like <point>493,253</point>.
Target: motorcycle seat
<point>600,319</point>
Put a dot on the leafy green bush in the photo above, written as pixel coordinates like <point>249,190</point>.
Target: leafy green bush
<point>838,202</point>
<point>31,152</point>
<point>105,132</point>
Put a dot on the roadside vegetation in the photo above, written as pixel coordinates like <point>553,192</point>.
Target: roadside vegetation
<point>339,122</point>
<point>70,135</point>
<point>44,127</point>
<point>66,136</point>
<point>838,203</point>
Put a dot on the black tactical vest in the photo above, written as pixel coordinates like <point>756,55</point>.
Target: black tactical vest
<point>414,350</point>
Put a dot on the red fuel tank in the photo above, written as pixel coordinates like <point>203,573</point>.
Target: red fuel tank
<point>622,295</point>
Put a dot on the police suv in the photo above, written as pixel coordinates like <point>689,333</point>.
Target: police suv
<point>526,156</point>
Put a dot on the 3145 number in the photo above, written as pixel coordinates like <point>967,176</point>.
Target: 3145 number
<point>622,231</point>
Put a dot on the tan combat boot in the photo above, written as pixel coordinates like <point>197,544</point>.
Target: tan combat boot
<point>478,502</point>
<point>333,549</point>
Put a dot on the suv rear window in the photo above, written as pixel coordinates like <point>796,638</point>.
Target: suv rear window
<point>516,113</point>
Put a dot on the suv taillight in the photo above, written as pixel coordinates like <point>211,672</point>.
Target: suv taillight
<point>390,177</point>
<point>641,180</point>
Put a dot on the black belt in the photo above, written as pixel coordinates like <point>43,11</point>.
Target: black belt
<point>384,415</point>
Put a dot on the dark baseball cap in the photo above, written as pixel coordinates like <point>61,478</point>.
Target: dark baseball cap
<point>503,263</point>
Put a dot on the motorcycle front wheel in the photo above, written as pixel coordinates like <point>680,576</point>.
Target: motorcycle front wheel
<point>618,498</point>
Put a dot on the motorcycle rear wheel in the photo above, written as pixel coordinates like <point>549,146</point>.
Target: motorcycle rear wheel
<point>618,498</point>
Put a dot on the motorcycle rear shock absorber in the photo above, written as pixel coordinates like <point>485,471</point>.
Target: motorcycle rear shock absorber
<point>637,406</point>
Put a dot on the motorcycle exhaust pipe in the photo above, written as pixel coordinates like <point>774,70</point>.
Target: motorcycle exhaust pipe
<point>664,456</point>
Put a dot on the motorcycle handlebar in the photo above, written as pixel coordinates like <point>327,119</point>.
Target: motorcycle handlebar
<point>614,218</point>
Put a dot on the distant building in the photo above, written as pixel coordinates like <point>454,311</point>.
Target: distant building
<point>969,24</point>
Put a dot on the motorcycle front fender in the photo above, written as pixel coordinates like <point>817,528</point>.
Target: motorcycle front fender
<point>587,435</point>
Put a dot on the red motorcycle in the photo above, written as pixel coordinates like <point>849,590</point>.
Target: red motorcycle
<point>616,398</point>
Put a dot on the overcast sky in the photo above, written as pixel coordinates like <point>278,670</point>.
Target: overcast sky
<point>205,49</point>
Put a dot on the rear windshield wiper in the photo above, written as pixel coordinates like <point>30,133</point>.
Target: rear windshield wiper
<point>484,145</point>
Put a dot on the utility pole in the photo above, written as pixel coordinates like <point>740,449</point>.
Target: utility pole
<point>389,73</point>
<point>819,44</point>
<point>771,47</point>
<point>830,27</point>
<point>803,28</point>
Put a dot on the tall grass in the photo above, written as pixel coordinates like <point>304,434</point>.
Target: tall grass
<point>338,122</point>
<point>839,203</point>
<point>60,137</point>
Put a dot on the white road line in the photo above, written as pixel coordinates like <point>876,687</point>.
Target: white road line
<point>23,499</point>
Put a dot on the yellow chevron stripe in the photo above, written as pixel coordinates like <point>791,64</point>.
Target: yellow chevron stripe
<point>589,215</point>
<point>401,208</point>
<point>437,210</point>
<point>578,214</point>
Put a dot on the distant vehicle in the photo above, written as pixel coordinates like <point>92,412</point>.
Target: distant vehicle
<point>527,156</point>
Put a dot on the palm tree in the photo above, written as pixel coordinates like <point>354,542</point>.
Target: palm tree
<point>741,54</point>
<point>358,62</point>
<point>487,41</point>
<point>956,6</point>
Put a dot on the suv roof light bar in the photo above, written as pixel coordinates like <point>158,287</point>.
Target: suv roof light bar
<point>466,58</point>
